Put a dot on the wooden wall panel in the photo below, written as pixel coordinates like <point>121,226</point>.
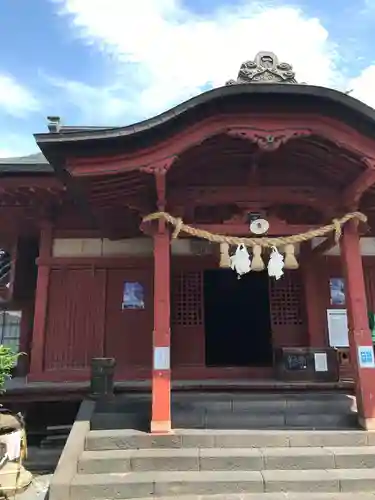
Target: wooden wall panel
<point>128,332</point>
<point>75,318</point>
<point>288,314</point>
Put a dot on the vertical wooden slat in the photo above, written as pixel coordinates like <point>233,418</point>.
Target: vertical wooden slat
<point>41,304</point>
<point>75,318</point>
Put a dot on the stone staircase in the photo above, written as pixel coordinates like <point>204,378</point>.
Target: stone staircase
<point>260,462</point>
<point>210,410</point>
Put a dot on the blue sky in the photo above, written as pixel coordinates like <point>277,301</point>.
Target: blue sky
<point>114,62</point>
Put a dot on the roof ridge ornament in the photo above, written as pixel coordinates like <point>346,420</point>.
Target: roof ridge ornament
<point>265,68</point>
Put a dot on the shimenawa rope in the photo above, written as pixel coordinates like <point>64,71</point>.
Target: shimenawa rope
<point>265,242</point>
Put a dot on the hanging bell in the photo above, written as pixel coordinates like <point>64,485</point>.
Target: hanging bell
<point>257,263</point>
<point>275,264</point>
<point>240,262</point>
<point>224,255</point>
<point>290,259</point>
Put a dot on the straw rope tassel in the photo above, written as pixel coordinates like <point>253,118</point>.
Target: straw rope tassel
<point>257,263</point>
<point>290,261</point>
<point>224,255</point>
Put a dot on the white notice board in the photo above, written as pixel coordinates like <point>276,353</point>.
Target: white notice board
<point>338,327</point>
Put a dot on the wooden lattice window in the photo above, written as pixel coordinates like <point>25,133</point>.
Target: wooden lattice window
<point>286,299</point>
<point>186,298</point>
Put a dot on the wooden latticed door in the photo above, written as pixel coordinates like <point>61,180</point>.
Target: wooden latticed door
<point>288,315</point>
<point>187,343</point>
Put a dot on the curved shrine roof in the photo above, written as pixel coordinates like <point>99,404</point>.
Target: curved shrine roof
<point>262,85</point>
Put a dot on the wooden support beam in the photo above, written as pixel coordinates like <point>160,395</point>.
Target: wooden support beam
<point>325,246</point>
<point>352,194</point>
<point>244,231</point>
<point>318,198</point>
<point>41,303</point>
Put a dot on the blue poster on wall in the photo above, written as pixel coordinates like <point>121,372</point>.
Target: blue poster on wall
<point>133,296</point>
<point>337,291</point>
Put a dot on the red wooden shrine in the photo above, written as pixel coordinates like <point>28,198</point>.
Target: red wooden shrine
<point>297,154</point>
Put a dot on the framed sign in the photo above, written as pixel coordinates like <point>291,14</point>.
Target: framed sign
<point>366,356</point>
<point>320,361</point>
<point>338,333</point>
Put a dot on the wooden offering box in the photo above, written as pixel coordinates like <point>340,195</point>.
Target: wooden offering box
<point>306,364</point>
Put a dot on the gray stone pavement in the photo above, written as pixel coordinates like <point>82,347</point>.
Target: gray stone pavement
<point>38,490</point>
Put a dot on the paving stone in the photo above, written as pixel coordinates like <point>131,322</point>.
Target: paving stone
<point>244,420</point>
<point>355,480</point>
<point>197,439</point>
<point>300,481</point>
<point>165,460</point>
<point>105,462</point>
<point>327,438</point>
<point>129,439</point>
<point>360,457</point>
<point>104,486</point>
<point>251,439</point>
<point>320,421</point>
<point>274,496</point>
<point>297,458</point>
<point>189,419</point>
<point>207,482</point>
<point>231,459</point>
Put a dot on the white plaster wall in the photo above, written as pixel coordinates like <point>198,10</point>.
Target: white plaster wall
<point>367,246</point>
<point>96,247</point>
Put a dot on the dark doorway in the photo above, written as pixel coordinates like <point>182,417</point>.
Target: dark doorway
<point>237,319</point>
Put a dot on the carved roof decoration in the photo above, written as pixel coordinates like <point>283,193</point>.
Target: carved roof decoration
<point>265,68</point>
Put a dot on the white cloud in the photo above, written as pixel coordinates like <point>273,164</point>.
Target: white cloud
<point>6,153</point>
<point>12,145</point>
<point>362,87</point>
<point>103,105</point>
<point>171,53</point>
<point>15,99</point>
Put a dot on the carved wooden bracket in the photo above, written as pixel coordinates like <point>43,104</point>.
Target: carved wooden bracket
<point>160,166</point>
<point>268,140</point>
<point>352,194</point>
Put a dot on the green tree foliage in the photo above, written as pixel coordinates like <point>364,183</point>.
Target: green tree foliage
<point>8,360</point>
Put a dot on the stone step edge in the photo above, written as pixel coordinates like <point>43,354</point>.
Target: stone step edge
<point>265,476</point>
<point>211,438</point>
<point>268,496</point>
<point>233,432</point>
<point>171,453</point>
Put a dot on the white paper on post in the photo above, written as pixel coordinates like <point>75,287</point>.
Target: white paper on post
<point>320,360</point>
<point>161,358</point>
<point>338,328</point>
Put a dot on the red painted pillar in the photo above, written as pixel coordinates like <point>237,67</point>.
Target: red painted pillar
<point>161,373</point>
<point>40,308</point>
<point>359,332</point>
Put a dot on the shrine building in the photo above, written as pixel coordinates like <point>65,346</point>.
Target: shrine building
<point>85,275</point>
